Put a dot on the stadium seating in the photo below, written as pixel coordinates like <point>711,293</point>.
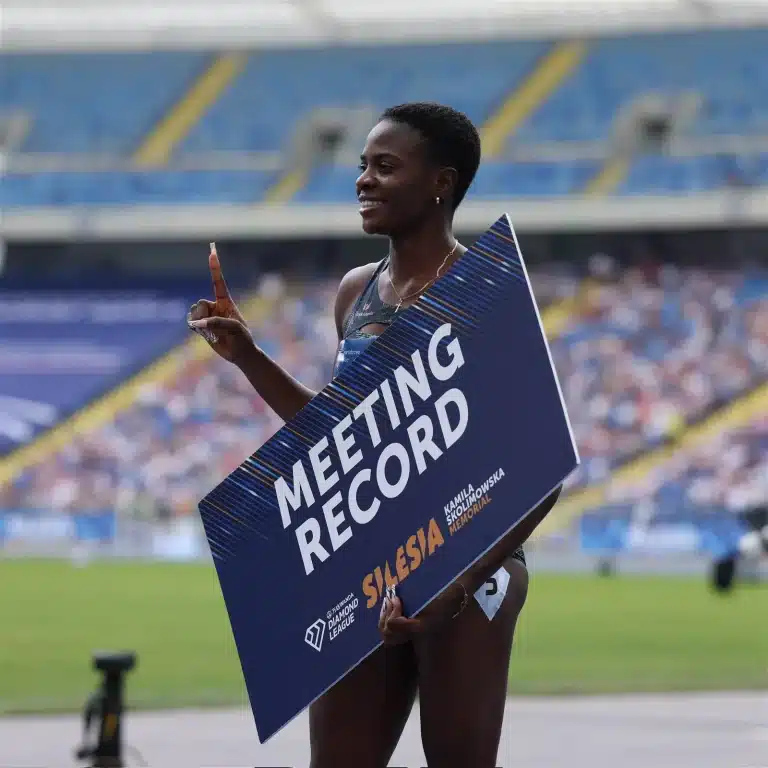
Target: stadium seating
<point>93,102</point>
<point>648,175</point>
<point>132,188</point>
<point>726,68</point>
<point>654,174</point>
<point>661,174</point>
<point>278,88</point>
<point>107,103</point>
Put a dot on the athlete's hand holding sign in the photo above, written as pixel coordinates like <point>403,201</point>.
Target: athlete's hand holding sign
<point>396,628</point>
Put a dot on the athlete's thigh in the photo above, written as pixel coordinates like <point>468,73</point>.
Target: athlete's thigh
<point>359,721</point>
<point>463,672</point>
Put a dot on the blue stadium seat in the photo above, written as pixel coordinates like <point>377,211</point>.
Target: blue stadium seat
<point>163,187</point>
<point>535,179</point>
<point>87,103</point>
<point>658,174</point>
<point>94,102</point>
<point>726,68</point>
<point>329,184</point>
<point>278,88</point>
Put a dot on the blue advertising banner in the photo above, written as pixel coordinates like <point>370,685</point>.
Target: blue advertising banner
<point>61,349</point>
<point>615,530</point>
<point>40,526</point>
<point>410,465</point>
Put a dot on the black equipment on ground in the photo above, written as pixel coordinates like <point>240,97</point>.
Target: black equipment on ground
<point>105,705</point>
<point>752,547</point>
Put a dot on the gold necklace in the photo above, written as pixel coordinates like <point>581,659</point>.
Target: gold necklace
<point>424,288</point>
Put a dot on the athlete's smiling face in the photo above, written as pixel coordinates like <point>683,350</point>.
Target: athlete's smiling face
<point>398,182</point>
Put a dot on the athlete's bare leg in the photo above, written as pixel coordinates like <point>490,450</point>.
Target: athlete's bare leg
<point>358,723</point>
<point>463,672</point>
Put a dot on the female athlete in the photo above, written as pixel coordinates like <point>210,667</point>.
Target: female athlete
<point>416,167</point>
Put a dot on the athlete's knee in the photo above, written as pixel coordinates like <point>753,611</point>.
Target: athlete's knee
<point>346,756</point>
<point>464,739</point>
<point>337,746</point>
<point>455,748</point>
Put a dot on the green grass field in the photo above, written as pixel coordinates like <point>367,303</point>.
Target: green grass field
<point>577,635</point>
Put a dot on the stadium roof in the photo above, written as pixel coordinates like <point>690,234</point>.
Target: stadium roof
<point>131,23</point>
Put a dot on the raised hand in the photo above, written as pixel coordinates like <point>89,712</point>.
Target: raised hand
<point>220,322</point>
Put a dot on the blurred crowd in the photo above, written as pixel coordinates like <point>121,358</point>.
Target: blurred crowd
<point>652,350</point>
<point>646,352</point>
<point>725,470</point>
<point>184,434</point>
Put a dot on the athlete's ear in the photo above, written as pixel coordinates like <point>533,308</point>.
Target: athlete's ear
<point>445,183</point>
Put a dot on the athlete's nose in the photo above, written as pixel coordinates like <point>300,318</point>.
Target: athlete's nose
<point>365,181</point>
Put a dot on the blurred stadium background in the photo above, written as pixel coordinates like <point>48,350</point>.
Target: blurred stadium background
<point>627,140</point>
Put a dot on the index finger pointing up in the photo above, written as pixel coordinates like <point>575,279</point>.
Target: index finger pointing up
<point>220,289</point>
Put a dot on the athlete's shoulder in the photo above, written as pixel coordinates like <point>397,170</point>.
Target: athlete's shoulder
<point>357,278</point>
<point>351,286</point>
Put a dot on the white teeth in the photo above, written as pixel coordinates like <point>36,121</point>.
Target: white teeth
<point>369,203</point>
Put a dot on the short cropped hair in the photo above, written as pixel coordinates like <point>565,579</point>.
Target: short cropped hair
<point>452,139</point>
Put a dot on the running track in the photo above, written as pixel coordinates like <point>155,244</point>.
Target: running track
<point>727,730</point>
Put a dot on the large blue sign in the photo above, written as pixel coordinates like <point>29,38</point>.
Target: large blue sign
<point>408,467</point>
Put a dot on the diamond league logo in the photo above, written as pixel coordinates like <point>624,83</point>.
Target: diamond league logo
<point>315,634</point>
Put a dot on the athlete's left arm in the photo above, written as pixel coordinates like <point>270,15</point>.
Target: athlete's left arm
<point>474,578</point>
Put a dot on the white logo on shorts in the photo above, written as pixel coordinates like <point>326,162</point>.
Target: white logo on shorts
<point>315,634</point>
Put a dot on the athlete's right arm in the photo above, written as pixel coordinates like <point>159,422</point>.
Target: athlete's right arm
<point>223,327</point>
<point>281,392</point>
